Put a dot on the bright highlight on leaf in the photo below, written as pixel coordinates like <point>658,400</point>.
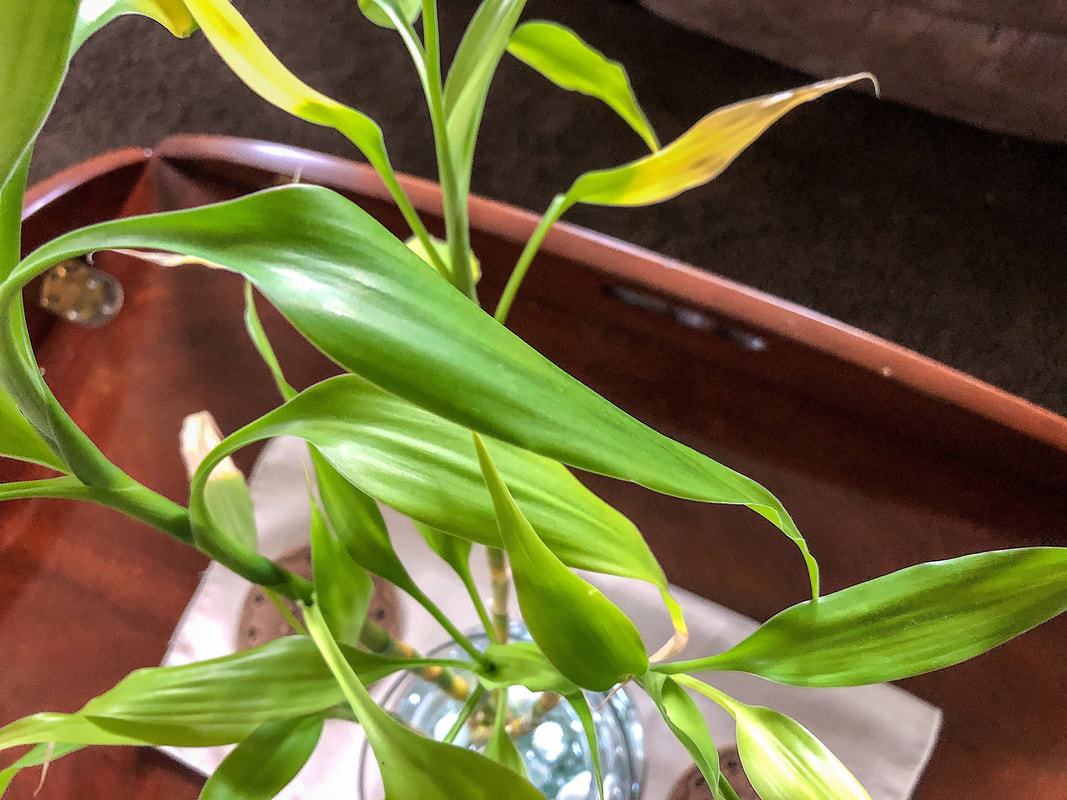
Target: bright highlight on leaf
<point>585,636</point>
<point>699,154</point>
<point>687,723</point>
<point>395,322</point>
<point>908,622</point>
<point>225,492</point>
<point>564,58</point>
<point>781,757</point>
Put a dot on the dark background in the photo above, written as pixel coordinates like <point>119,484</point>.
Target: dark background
<point>936,235</point>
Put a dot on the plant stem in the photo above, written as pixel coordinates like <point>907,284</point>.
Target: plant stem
<point>283,609</point>
<point>500,578</point>
<point>560,203</point>
<point>476,599</point>
<point>453,186</point>
<point>527,724</point>
<point>377,640</point>
<point>449,626</point>
<point>464,714</point>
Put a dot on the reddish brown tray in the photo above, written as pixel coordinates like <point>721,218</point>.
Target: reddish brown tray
<point>884,457</point>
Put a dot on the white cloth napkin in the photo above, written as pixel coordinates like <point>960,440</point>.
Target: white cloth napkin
<point>882,733</point>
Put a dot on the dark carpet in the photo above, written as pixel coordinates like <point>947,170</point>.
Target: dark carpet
<point>941,237</point>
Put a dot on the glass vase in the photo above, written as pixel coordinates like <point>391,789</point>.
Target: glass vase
<point>555,753</point>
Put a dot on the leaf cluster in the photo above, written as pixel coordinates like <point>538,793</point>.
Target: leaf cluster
<point>445,415</point>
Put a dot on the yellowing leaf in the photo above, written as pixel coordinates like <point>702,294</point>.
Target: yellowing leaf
<point>263,73</point>
<point>585,636</point>
<point>699,154</point>
<point>95,14</point>
<point>564,58</point>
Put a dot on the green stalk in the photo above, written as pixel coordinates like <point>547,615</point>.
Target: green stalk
<point>500,579</point>
<point>443,620</point>
<point>453,193</point>
<point>464,714</point>
<point>559,205</point>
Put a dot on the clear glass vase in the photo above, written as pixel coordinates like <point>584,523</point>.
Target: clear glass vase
<point>555,753</point>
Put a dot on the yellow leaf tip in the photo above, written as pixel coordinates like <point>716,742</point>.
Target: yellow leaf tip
<point>199,436</point>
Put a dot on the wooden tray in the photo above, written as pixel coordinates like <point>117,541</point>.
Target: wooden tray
<point>885,458</point>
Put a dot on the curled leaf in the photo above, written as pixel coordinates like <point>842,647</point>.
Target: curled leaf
<point>568,61</point>
<point>585,636</point>
<point>698,155</point>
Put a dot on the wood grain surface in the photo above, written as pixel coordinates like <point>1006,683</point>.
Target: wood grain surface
<point>884,458</point>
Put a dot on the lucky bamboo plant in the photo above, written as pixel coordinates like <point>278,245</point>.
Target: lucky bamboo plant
<point>447,417</point>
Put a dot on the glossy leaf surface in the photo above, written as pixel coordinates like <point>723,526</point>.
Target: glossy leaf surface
<point>95,14</point>
<point>699,154</point>
<point>784,761</point>
<point>343,588</point>
<point>568,61</point>
<point>266,761</point>
<point>427,468</point>
<point>207,703</point>
<point>582,633</point>
<point>688,725</point>
<point>34,42</point>
<point>413,766</point>
<point>908,622</point>
<point>393,320</point>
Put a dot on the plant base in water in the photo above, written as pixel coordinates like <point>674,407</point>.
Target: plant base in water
<point>555,753</point>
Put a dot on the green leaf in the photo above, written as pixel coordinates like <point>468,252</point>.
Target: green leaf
<point>564,58</point>
<point>442,256</point>
<point>34,43</point>
<point>225,493</point>
<point>908,622</point>
<point>585,716</point>
<point>501,747</point>
<point>342,587</point>
<point>358,523</point>
<point>698,155</point>
<point>95,14</point>
<point>472,70</point>
<point>523,664</point>
<point>583,634</point>
<point>453,550</point>
<point>41,754</point>
<point>214,702</point>
<point>784,761</point>
<point>263,346</point>
<point>413,766</point>
<point>375,11</point>
<point>428,469</point>
<point>19,440</point>
<point>265,762</point>
<point>687,724</point>
<point>393,320</point>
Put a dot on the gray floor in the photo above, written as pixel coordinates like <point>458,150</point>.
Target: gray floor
<point>938,236</point>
